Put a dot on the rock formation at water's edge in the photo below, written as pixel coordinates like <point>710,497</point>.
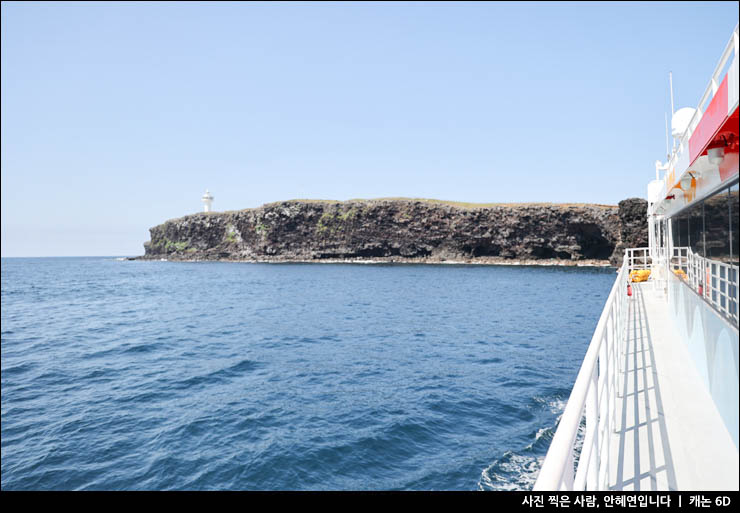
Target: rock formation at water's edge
<point>402,230</point>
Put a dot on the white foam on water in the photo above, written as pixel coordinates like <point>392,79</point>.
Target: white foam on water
<point>540,433</point>
<point>557,406</point>
<point>511,472</point>
<point>515,471</point>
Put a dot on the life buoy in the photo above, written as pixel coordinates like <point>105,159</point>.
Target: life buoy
<point>637,276</point>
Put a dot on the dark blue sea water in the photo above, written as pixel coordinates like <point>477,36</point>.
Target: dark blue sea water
<point>164,375</point>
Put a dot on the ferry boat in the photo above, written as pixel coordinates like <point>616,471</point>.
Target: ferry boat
<point>655,403</point>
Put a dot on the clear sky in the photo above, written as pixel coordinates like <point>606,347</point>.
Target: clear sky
<point>117,116</point>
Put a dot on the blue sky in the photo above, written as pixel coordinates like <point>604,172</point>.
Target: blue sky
<point>117,116</point>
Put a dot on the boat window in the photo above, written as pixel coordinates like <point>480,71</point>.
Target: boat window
<point>734,271</point>
<point>717,227</point>
<point>696,229</point>
<point>678,224</point>
<point>679,229</point>
<point>735,224</point>
<point>683,226</point>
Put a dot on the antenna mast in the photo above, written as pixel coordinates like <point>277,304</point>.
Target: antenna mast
<point>667,144</point>
<point>670,78</point>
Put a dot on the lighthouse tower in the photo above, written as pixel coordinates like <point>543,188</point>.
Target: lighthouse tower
<point>207,200</point>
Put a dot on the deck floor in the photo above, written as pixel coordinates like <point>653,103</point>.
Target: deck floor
<point>669,434</point>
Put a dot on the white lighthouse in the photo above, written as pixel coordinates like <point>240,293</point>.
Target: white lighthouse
<point>207,200</point>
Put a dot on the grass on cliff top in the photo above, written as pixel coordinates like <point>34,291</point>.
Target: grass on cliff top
<point>460,204</point>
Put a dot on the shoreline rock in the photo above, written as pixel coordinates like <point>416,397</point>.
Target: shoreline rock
<point>402,261</point>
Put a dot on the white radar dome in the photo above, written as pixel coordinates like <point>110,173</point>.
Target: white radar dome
<point>680,121</point>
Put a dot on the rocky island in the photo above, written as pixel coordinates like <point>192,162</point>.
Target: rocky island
<point>406,230</point>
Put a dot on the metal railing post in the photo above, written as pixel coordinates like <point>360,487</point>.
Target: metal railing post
<point>593,378</point>
<point>592,412</point>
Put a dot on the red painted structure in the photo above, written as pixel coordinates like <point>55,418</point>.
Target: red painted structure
<point>717,129</point>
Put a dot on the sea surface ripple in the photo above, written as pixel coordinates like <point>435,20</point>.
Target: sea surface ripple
<point>162,375</point>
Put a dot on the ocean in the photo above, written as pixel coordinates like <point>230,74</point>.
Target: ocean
<point>140,375</point>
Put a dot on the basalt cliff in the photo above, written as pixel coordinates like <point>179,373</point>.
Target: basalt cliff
<point>405,230</point>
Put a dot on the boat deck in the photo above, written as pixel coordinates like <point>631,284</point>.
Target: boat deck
<point>662,406</point>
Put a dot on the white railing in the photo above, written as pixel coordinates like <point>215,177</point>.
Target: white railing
<point>598,382</point>
<point>638,258</point>
<point>680,259</point>
<point>715,281</point>
<point>594,391</point>
<point>721,289</point>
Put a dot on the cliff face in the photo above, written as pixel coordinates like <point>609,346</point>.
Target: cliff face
<point>633,229</point>
<point>398,230</point>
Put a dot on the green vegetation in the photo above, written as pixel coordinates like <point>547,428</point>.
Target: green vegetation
<point>172,247</point>
<point>333,221</point>
<point>261,229</point>
<point>348,215</point>
<point>325,223</point>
